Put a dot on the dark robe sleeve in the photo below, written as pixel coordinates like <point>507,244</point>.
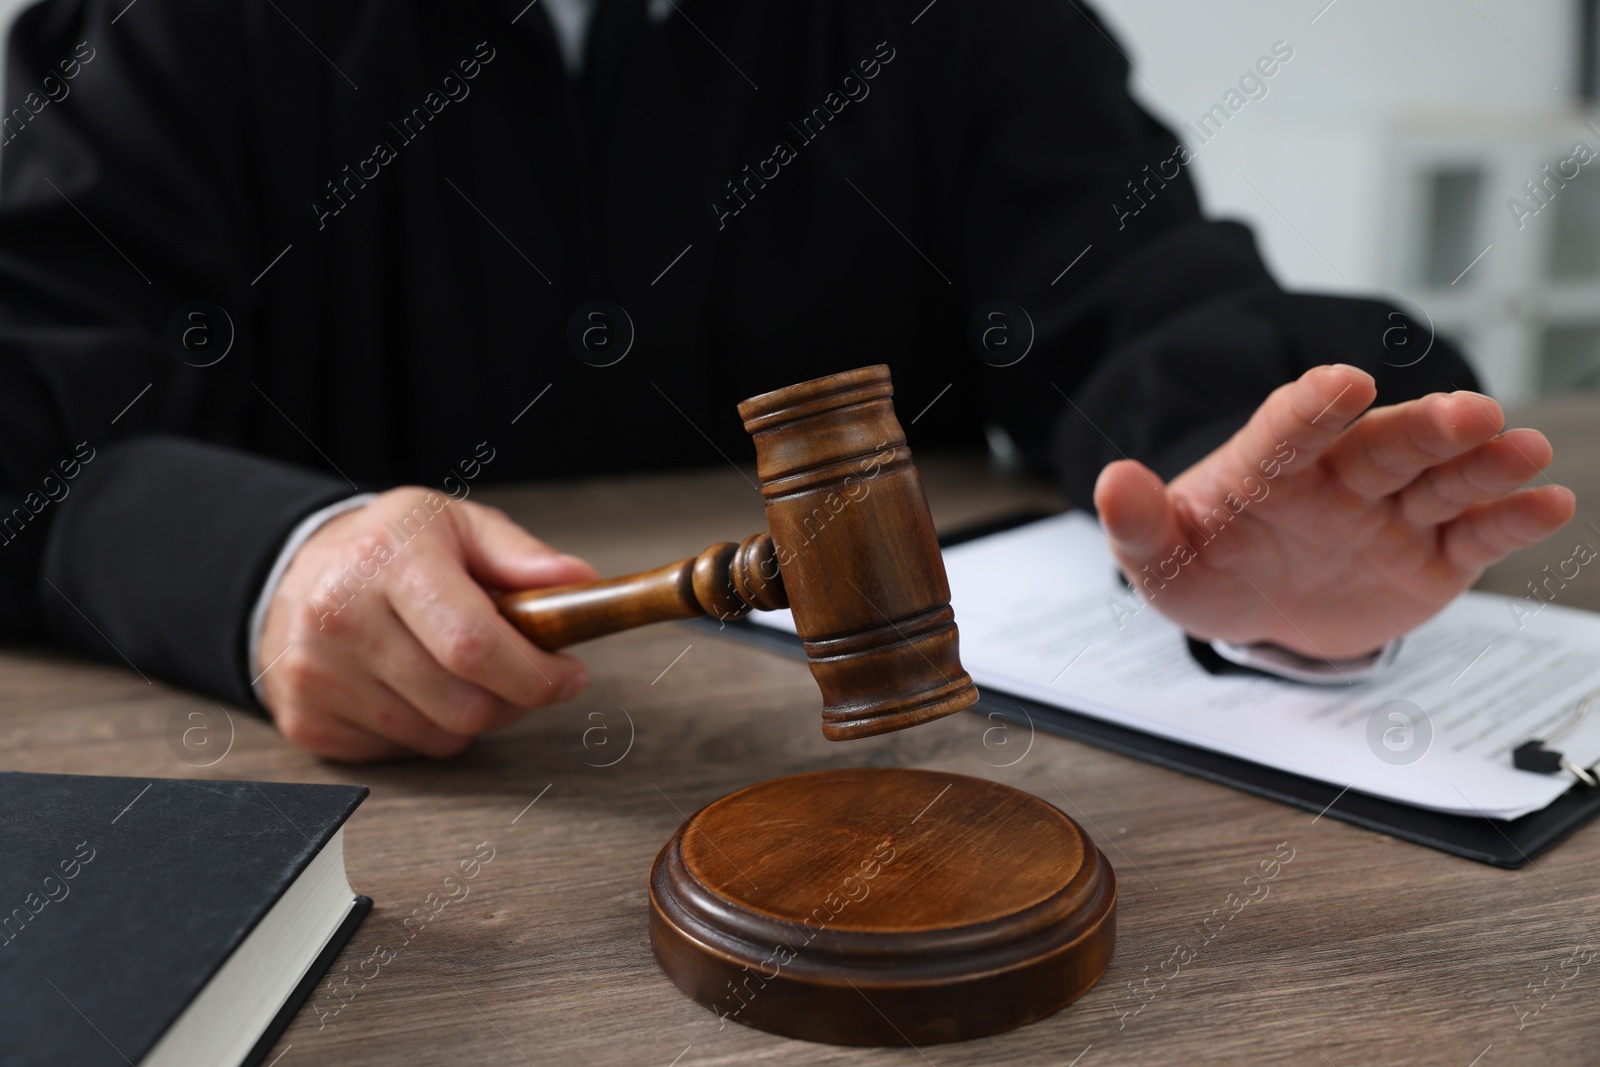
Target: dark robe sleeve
<point>1156,333</point>
<point>124,195</point>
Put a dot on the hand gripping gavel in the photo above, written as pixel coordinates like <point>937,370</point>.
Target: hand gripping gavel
<point>851,550</point>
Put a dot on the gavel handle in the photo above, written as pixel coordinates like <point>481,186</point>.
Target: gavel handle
<point>725,581</point>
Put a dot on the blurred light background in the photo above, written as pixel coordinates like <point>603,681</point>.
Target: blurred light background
<point>1386,153</point>
<point>1385,156</point>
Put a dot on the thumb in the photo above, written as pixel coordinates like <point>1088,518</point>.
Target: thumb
<point>1137,513</point>
<point>501,555</point>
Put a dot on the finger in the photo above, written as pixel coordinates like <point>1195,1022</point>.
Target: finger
<point>1137,513</point>
<point>1487,473</point>
<point>1488,533</point>
<point>1388,449</point>
<point>379,710</point>
<point>459,626</point>
<point>333,738</point>
<point>452,708</point>
<point>502,555</point>
<point>1299,420</point>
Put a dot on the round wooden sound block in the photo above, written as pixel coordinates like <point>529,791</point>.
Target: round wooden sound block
<point>882,906</point>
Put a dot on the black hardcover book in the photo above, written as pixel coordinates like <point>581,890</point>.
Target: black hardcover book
<point>161,922</point>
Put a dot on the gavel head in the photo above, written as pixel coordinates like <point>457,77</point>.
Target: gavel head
<point>856,549</point>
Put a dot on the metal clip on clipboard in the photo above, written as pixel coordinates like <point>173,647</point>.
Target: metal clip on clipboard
<point>1535,756</point>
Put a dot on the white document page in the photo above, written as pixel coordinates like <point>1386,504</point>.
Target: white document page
<point>1043,614</point>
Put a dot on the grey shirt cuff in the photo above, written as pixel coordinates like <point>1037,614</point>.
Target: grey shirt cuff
<point>1295,667</point>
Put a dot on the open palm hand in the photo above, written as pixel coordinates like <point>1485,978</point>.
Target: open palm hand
<point>1328,532</point>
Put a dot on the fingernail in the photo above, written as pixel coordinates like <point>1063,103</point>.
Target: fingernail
<point>576,680</point>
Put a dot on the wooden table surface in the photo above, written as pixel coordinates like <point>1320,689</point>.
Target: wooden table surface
<point>1366,949</point>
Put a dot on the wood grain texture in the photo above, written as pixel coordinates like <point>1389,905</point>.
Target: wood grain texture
<point>724,582</point>
<point>1366,950</point>
<point>860,559</point>
<point>882,906</point>
<point>851,550</point>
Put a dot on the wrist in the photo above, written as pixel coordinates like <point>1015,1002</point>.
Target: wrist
<point>292,544</point>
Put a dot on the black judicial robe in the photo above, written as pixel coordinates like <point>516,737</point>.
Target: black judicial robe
<point>403,210</point>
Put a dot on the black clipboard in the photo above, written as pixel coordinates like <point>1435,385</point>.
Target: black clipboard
<point>1510,844</point>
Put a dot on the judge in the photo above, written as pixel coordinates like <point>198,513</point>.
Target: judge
<point>275,275</point>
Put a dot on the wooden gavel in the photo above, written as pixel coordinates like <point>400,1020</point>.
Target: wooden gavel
<point>851,550</point>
